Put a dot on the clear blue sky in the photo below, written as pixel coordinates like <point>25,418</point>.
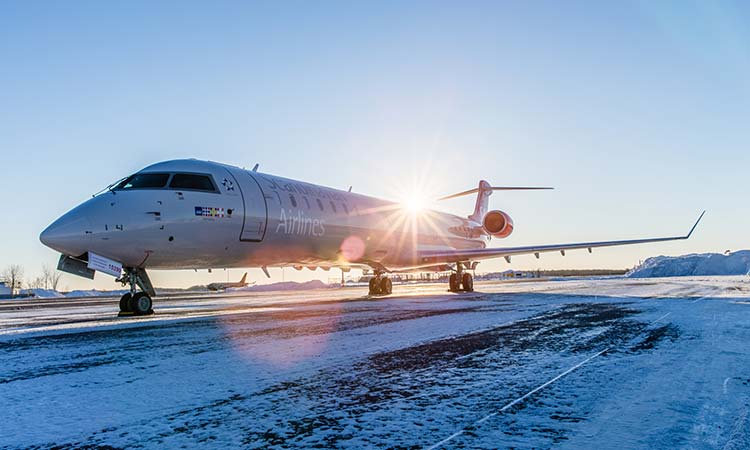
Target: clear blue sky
<point>637,112</point>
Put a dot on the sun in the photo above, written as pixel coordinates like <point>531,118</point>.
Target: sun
<point>414,202</point>
<point>413,191</point>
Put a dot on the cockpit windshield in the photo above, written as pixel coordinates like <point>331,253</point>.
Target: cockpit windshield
<point>192,181</point>
<point>144,181</point>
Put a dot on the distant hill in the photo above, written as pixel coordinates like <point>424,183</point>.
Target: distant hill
<point>737,263</point>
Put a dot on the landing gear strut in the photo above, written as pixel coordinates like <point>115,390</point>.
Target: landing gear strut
<point>460,281</point>
<point>380,285</point>
<point>136,303</point>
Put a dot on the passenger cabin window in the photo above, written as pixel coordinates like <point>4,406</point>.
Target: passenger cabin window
<point>144,181</point>
<point>333,207</point>
<point>320,204</point>
<point>193,182</point>
<point>307,202</point>
<point>346,210</point>
<point>293,200</point>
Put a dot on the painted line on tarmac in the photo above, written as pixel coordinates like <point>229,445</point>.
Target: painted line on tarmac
<point>659,319</point>
<point>517,401</point>
<point>531,392</point>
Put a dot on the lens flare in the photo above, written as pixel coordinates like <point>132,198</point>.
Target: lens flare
<point>352,248</point>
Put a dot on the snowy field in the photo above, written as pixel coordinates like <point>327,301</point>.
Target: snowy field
<point>607,363</point>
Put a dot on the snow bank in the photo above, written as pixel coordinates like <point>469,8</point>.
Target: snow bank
<point>737,263</point>
<point>41,293</point>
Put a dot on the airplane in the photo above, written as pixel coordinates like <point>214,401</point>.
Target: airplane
<point>193,214</point>
<point>227,285</point>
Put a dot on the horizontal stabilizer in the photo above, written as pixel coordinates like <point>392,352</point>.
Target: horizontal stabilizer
<point>496,188</point>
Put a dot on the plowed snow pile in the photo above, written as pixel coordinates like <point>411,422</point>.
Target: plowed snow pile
<point>737,263</point>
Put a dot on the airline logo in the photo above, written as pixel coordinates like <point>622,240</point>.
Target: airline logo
<point>228,185</point>
<point>300,224</point>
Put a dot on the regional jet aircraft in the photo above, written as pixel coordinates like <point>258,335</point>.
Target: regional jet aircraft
<point>229,284</point>
<point>190,214</point>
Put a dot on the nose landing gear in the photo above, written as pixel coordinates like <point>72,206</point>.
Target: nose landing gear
<point>136,303</point>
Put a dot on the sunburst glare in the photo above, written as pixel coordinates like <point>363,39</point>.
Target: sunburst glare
<point>414,202</point>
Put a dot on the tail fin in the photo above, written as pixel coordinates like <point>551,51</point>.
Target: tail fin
<point>244,277</point>
<point>483,200</point>
<point>484,191</point>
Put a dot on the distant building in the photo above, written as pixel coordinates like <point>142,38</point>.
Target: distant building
<point>510,273</point>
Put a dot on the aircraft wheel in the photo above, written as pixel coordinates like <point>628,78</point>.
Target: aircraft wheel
<point>125,302</point>
<point>468,282</point>
<point>140,304</point>
<point>386,286</point>
<point>374,286</point>
<point>453,283</point>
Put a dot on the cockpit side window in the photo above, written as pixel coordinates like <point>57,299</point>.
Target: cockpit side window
<point>193,182</point>
<point>144,181</point>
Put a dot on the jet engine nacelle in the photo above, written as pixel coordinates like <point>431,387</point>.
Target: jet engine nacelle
<point>497,224</point>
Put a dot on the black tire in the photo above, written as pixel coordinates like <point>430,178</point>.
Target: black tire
<point>468,282</point>
<point>386,286</point>
<point>453,283</point>
<point>125,302</point>
<point>374,286</point>
<point>140,304</point>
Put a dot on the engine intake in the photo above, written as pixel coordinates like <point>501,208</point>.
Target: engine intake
<point>497,224</point>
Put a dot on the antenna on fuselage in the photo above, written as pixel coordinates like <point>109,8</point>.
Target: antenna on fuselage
<point>255,168</point>
<point>350,189</point>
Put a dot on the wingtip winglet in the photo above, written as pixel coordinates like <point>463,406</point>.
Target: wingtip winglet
<point>696,224</point>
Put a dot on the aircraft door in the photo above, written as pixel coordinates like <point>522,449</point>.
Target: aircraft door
<point>256,211</point>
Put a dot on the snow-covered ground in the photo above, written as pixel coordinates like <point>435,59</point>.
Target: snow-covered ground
<point>584,363</point>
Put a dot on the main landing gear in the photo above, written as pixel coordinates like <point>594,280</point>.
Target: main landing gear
<point>136,303</point>
<point>460,281</point>
<point>380,285</point>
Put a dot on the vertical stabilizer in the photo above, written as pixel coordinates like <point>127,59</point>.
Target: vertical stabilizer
<point>483,198</point>
<point>244,277</point>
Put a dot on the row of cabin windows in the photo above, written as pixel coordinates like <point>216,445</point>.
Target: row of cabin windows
<point>184,181</point>
<point>293,201</point>
<point>198,182</point>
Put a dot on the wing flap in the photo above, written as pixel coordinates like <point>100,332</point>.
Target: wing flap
<point>446,256</point>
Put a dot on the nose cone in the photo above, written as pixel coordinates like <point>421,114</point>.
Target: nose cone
<point>70,234</point>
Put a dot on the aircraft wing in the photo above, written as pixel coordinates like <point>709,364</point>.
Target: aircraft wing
<point>443,256</point>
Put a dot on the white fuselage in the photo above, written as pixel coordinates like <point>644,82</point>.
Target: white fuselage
<point>252,219</point>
